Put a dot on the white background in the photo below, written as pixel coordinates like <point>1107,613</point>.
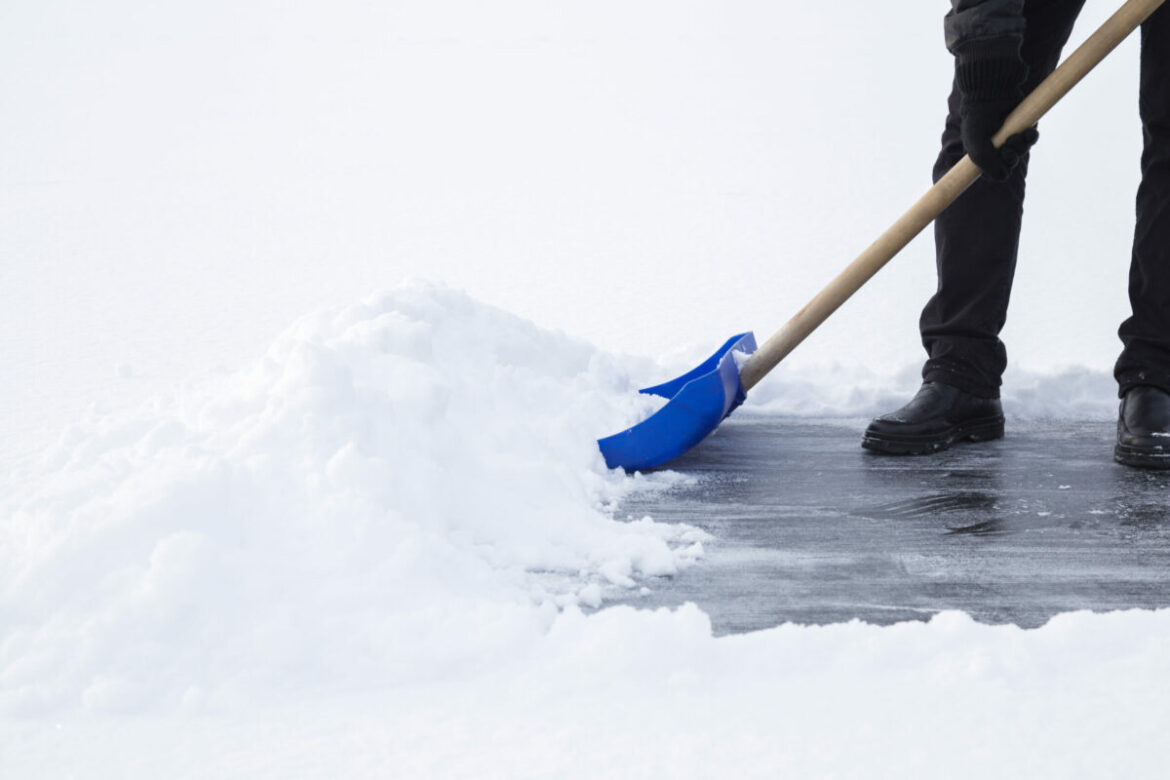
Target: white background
<point>178,181</point>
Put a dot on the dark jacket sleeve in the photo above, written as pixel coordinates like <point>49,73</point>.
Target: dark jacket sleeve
<point>985,36</point>
<point>989,25</point>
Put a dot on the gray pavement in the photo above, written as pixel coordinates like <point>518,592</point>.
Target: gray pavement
<point>810,528</point>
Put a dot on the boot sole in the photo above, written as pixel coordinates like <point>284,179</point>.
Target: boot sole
<point>1141,458</point>
<point>975,430</point>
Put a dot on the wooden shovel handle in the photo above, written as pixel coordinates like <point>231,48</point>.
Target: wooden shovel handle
<point>943,194</point>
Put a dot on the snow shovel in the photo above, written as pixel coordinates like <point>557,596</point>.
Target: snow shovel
<point>701,398</point>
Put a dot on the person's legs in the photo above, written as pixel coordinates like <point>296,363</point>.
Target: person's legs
<point>1143,370</point>
<point>975,255</point>
<point>1145,359</point>
<point>976,241</point>
<point>977,238</point>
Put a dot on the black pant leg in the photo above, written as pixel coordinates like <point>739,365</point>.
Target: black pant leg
<point>1145,359</point>
<point>977,238</point>
<point>976,241</point>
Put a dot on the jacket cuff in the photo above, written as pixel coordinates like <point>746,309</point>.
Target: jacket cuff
<point>990,70</point>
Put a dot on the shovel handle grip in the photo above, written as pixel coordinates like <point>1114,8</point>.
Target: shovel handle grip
<point>1116,29</point>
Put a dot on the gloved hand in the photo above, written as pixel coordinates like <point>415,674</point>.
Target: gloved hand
<point>990,75</point>
<point>981,121</point>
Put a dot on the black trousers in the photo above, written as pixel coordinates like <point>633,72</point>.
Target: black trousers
<point>977,238</point>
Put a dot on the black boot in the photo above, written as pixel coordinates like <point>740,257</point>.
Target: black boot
<point>937,417</point>
<point>1143,428</point>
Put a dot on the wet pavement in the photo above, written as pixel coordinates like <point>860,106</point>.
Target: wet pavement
<point>810,528</point>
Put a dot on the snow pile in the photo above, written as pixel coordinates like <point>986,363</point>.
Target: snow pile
<point>396,490</point>
<point>837,390</point>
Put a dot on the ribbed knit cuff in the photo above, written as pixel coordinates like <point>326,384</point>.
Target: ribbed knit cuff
<point>990,70</point>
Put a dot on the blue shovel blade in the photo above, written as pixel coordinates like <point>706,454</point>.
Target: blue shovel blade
<point>699,400</point>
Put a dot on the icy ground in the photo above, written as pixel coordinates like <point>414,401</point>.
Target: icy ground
<point>1018,530</point>
<point>376,552</point>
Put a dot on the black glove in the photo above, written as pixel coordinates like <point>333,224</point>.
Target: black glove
<point>981,121</point>
<point>990,75</point>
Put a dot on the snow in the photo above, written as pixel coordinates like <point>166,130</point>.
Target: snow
<point>633,694</point>
<point>856,391</point>
<point>413,456</point>
<point>380,541</point>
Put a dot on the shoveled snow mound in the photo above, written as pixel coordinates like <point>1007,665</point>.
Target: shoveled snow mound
<point>392,492</point>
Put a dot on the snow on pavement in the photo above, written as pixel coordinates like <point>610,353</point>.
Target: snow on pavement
<point>367,555</point>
